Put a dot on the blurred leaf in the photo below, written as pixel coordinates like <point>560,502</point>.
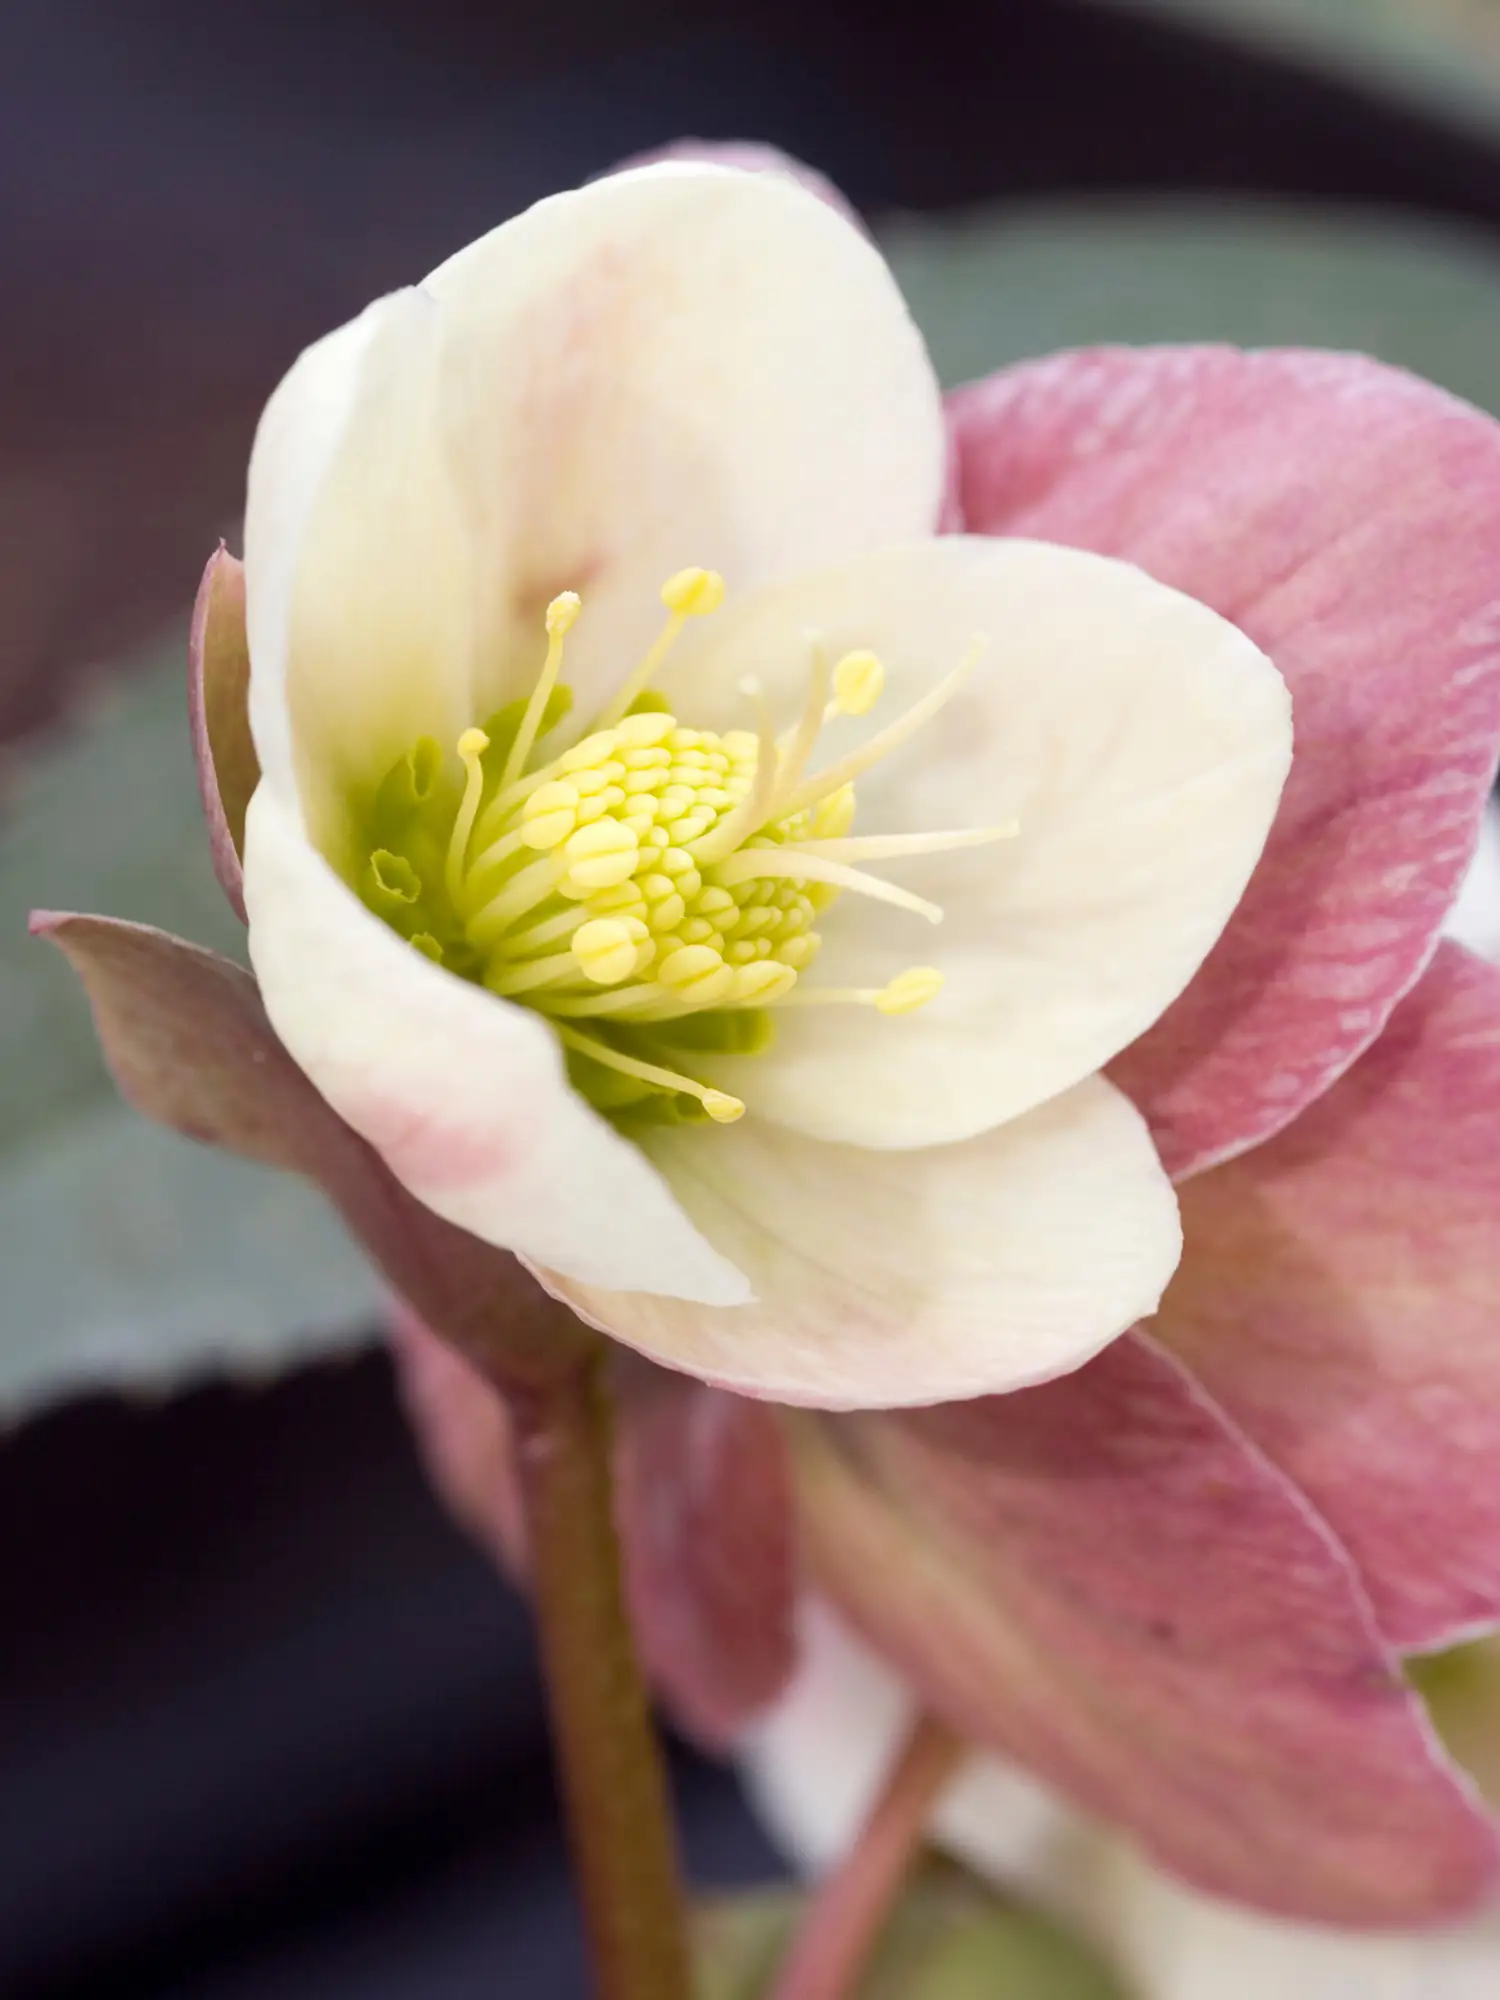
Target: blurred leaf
<point>1444,54</point>
<point>1005,283</point>
<point>131,1257</point>
<point>951,1939</point>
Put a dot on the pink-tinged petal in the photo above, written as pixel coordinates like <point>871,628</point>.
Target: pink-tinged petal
<point>464,1095</point>
<point>189,1044</point>
<point>748,156</point>
<point>1347,517</point>
<point>705,1507</point>
<point>1102,1580</point>
<point>1340,1296</point>
<point>882,1279</point>
<point>219,716</point>
<point>704,1510</point>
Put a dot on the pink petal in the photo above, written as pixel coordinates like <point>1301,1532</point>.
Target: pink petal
<point>1100,1579</point>
<point>189,1044</point>
<point>704,1511</point>
<point>1347,517</point>
<point>219,715</point>
<point>1340,1295</point>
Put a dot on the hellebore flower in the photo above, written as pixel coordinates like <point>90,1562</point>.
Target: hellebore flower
<point>815,1763</point>
<point>602,931</point>
<point>1179,1583</point>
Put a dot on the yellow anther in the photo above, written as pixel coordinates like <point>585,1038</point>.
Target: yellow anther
<point>597,857</point>
<point>562,612</point>
<point>471,747</point>
<point>832,817</point>
<point>690,963</point>
<point>909,990</point>
<point>646,731</point>
<point>606,950</point>
<point>858,681</point>
<point>592,751</point>
<point>549,815</point>
<point>693,593</point>
<point>763,983</point>
<point>717,1103</point>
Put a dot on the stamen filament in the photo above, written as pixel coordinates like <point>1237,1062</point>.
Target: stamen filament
<point>892,846</point>
<point>818,709</point>
<point>525,889</point>
<point>755,808</point>
<point>556,969</point>
<point>644,999</point>
<point>722,1108</point>
<point>491,856</point>
<point>561,613</point>
<point>884,741</point>
<point>796,864</point>
<point>551,930</point>
<point>471,747</point>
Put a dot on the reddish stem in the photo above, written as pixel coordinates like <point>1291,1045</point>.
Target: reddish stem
<point>847,1914</point>
<point>610,1763</point>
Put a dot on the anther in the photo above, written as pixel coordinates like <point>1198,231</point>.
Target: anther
<point>909,990</point>
<point>606,950</point>
<point>858,681</point>
<point>722,1108</point>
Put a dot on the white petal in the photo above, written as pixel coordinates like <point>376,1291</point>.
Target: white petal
<point>360,592</point>
<point>676,365</point>
<point>892,1278</point>
<point>1178,1945</point>
<point>813,1766</point>
<point>1475,917</point>
<point>1139,740</point>
<point>462,1095</point>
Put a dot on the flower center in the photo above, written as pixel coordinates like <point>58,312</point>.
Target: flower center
<point>654,890</point>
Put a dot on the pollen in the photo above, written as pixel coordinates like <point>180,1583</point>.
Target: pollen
<point>656,890</point>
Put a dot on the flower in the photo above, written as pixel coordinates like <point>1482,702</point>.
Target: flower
<point>813,1766</point>
<point>1179,1583</point>
<point>572,921</point>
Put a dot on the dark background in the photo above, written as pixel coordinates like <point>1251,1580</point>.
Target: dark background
<point>267,1727</point>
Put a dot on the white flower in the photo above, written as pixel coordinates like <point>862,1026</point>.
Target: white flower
<point>525,953</point>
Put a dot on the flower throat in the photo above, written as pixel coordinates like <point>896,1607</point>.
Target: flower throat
<point>654,890</point>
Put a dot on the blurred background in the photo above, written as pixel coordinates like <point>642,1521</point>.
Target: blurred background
<point>267,1726</point>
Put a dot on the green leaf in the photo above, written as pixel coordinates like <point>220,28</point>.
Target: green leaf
<point>950,1939</point>
<point>1442,55</point>
<point>1003,284</point>
<point>132,1257</point>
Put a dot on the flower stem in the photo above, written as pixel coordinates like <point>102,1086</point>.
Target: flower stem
<point>849,1910</point>
<point>610,1763</point>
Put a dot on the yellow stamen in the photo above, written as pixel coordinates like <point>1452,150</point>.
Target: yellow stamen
<point>796,864</point>
<point>884,741</point>
<point>561,614</point>
<point>525,889</point>
<point>902,995</point>
<point>691,593</point>
<point>722,1108</point>
<point>893,846</point>
<point>756,807</point>
<point>816,710</point>
<point>471,747</point>
<point>606,949</point>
